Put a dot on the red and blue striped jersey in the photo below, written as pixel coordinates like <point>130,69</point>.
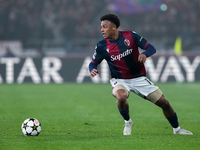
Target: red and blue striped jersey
<point>122,55</point>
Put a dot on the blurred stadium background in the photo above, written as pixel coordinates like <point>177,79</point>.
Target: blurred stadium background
<point>69,29</point>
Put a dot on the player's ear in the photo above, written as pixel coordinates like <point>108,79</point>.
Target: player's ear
<point>114,27</point>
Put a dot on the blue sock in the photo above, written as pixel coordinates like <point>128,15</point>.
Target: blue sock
<point>173,120</point>
<point>125,114</point>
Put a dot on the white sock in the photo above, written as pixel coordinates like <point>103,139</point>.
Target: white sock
<point>128,120</point>
<point>176,129</point>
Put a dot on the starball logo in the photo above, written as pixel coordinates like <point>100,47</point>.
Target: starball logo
<point>124,54</point>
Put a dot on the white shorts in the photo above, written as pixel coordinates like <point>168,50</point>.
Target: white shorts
<point>142,86</point>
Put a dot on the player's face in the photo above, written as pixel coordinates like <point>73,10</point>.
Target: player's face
<point>107,29</point>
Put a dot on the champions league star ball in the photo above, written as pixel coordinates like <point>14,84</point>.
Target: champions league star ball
<point>31,127</point>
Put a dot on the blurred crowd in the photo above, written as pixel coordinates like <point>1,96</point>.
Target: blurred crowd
<point>47,19</point>
<point>180,19</point>
<point>73,21</point>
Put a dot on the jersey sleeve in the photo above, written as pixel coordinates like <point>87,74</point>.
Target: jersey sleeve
<point>143,44</point>
<point>97,56</point>
<point>140,41</point>
<point>96,59</point>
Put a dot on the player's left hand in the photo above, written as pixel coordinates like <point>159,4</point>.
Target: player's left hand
<point>142,58</point>
<point>94,72</point>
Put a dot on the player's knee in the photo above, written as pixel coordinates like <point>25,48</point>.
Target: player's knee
<point>121,97</point>
<point>121,94</point>
<point>163,103</point>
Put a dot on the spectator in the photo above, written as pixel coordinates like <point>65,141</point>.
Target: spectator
<point>8,53</point>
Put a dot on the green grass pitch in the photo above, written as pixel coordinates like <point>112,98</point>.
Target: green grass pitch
<point>85,117</point>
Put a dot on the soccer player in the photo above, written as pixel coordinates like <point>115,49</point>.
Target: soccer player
<point>126,64</point>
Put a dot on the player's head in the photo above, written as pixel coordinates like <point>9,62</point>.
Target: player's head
<point>112,18</point>
<point>109,25</point>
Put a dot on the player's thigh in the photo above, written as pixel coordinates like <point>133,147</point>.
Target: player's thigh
<point>120,91</point>
<point>155,96</point>
<point>146,89</point>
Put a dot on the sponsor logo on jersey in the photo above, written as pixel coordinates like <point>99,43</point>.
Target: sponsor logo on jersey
<point>124,54</point>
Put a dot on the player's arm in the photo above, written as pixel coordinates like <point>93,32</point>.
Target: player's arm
<point>149,51</point>
<point>93,69</point>
<point>143,44</point>
<point>96,60</point>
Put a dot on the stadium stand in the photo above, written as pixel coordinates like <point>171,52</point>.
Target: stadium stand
<point>72,26</point>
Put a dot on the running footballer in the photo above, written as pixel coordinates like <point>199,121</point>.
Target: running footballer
<point>128,74</point>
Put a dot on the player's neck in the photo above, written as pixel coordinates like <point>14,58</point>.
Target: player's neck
<point>114,36</point>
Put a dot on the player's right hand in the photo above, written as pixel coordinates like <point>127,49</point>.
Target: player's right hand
<point>94,72</point>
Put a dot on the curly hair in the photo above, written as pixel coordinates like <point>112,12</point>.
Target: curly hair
<point>112,18</point>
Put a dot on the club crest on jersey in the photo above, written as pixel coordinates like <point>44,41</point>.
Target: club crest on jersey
<point>127,42</point>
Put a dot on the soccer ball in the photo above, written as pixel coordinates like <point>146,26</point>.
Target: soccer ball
<point>31,127</point>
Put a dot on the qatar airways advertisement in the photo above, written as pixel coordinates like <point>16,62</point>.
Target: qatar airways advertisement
<point>62,70</point>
